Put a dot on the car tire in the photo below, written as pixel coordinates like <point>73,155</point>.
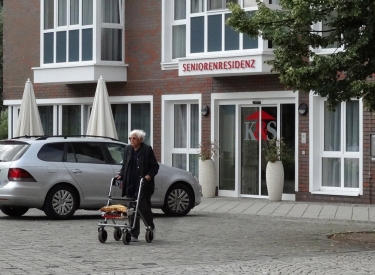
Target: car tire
<point>178,200</point>
<point>14,211</point>
<point>61,203</point>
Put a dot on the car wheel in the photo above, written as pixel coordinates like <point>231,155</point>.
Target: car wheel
<point>61,203</point>
<point>178,200</point>
<point>14,211</point>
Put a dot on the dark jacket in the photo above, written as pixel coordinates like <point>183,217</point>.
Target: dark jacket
<point>146,165</point>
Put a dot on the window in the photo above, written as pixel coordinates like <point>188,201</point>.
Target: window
<point>210,34</point>
<point>52,152</point>
<point>179,28</point>
<point>326,29</point>
<point>71,37</point>
<point>11,151</point>
<point>46,117</point>
<point>71,120</point>
<point>186,137</point>
<point>112,30</point>
<point>340,160</point>
<point>181,119</point>
<point>218,4</point>
<point>198,27</point>
<point>337,147</point>
<point>132,116</point>
<point>86,152</point>
<point>116,152</point>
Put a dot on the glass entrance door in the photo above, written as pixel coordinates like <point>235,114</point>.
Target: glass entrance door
<point>243,134</point>
<point>258,124</point>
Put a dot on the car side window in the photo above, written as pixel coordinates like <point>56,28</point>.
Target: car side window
<point>70,157</point>
<point>116,152</point>
<point>86,152</point>
<point>12,150</point>
<point>52,152</point>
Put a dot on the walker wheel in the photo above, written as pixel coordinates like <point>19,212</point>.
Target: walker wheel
<point>149,236</point>
<point>126,237</point>
<point>102,235</point>
<point>117,234</point>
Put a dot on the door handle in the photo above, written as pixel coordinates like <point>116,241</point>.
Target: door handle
<point>76,171</point>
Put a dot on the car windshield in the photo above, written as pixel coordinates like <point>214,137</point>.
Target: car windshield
<point>10,150</point>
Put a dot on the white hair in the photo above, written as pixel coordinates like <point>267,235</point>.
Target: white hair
<point>139,133</point>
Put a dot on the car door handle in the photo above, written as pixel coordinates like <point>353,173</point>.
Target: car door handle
<point>76,171</point>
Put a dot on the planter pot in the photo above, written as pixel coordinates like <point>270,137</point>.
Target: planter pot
<point>207,178</point>
<point>275,180</point>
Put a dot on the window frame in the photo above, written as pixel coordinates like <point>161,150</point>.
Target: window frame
<point>168,103</point>
<point>222,12</point>
<point>73,145</point>
<point>85,105</point>
<point>96,35</point>
<point>316,146</point>
<point>167,40</point>
<point>47,145</point>
<point>318,27</point>
<point>188,151</point>
<point>111,159</point>
<point>129,117</point>
<point>101,25</point>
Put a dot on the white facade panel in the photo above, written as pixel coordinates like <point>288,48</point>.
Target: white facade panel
<point>80,74</point>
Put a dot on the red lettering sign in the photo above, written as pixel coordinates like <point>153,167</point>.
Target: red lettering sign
<point>219,65</point>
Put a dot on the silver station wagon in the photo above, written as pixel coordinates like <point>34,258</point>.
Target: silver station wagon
<point>62,174</point>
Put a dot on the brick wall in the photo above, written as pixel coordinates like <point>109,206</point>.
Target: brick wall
<point>21,44</point>
<point>368,165</point>
<point>303,159</point>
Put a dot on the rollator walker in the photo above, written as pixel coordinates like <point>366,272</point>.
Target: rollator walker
<point>120,212</point>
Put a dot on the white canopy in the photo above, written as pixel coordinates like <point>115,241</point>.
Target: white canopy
<point>29,123</point>
<point>101,121</point>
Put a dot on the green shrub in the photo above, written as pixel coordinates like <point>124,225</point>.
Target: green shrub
<point>208,149</point>
<point>4,124</point>
<point>276,150</point>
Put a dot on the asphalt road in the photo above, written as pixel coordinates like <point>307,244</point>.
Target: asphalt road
<point>200,243</point>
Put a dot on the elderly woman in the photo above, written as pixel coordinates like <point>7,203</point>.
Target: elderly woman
<point>139,162</point>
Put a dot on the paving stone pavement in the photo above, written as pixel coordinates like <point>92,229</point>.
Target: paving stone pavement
<point>220,236</point>
<point>255,206</point>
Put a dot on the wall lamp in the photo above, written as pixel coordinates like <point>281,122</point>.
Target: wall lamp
<point>303,109</point>
<point>205,111</point>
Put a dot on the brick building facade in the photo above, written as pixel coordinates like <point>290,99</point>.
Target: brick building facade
<point>147,83</point>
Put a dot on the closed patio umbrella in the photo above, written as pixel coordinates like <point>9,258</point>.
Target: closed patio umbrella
<point>29,123</point>
<point>101,121</point>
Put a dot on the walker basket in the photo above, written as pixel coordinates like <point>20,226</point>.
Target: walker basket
<point>114,215</point>
<point>116,211</point>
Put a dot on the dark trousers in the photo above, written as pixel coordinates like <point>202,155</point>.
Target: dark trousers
<point>144,206</point>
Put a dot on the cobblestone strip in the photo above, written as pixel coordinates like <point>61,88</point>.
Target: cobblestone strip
<point>344,264</point>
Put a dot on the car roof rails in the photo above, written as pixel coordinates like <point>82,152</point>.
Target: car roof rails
<point>26,136</point>
<point>74,136</point>
<point>63,136</point>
